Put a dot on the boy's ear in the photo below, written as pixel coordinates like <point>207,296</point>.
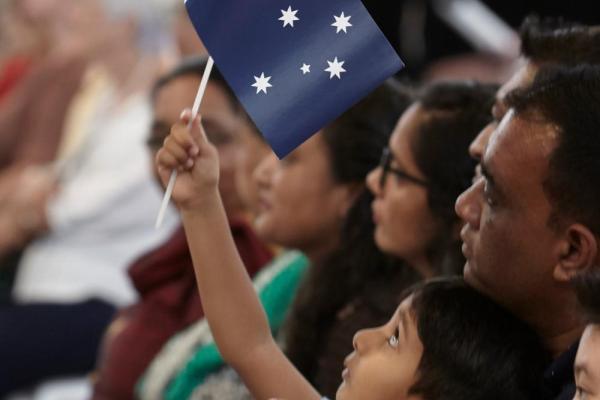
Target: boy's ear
<point>578,252</point>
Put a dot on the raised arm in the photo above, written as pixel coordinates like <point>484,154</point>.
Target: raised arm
<point>234,313</point>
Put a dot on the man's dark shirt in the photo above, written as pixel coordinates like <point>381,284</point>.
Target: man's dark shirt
<point>559,378</point>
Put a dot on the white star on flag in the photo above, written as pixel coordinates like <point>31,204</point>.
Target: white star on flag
<point>305,69</point>
<point>288,17</point>
<point>335,68</point>
<point>342,23</point>
<point>262,83</point>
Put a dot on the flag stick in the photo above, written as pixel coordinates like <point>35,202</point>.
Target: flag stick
<point>195,109</point>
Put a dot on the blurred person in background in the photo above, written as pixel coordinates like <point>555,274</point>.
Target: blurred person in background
<point>315,200</point>
<point>164,278</point>
<point>99,215</point>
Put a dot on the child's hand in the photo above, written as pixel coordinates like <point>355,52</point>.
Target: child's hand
<point>195,159</point>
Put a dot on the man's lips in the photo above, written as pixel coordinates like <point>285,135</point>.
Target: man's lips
<point>466,248</point>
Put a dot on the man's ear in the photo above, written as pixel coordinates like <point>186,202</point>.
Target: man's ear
<point>577,252</point>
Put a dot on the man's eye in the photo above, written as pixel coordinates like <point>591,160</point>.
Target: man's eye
<point>489,199</point>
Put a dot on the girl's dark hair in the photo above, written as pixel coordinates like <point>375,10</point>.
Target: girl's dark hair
<point>355,142</point>
<point>473,348</point>
<point>457,112</point>
<point>195,66</point>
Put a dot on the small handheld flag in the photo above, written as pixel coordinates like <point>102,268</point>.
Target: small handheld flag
<point>294,66</point>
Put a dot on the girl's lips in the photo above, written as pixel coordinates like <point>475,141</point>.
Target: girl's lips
<point>376,217</point>
<point>264,203</point>
<point>345,374</point>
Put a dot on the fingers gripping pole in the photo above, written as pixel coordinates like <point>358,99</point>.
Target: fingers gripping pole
<point>195,109</point>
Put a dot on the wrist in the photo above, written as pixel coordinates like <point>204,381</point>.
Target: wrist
<point>206,203</point>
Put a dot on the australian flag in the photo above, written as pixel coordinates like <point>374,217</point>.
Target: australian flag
<point>295,65</point>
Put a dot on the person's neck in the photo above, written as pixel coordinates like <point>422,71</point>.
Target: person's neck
<point>559,343</point>
<point>558,323</point>
<point>423,267</point>
<point>318,252</point>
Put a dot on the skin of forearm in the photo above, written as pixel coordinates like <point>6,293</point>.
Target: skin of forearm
<point>235,315</point>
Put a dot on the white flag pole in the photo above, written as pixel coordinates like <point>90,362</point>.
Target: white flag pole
<point>195,109</point>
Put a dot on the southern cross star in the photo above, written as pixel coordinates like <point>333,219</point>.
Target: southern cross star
<point>305,69</point>
<point>335,68</point>
<point>342,23</point>
<point>262,83</point>
<point>288,17</point>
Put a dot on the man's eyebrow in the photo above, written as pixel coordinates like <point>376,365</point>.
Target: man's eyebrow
<point>499,109</point>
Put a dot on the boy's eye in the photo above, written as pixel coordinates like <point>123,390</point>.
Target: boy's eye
<point>393,340</point>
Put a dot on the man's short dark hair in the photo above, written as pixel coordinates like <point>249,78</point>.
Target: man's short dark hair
<point>556,41</point>
<point>569,98</point>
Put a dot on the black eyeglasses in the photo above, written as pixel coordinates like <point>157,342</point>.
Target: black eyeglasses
<point>386,167</point>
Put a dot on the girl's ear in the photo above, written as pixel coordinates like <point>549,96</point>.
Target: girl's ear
<point>349,192</point>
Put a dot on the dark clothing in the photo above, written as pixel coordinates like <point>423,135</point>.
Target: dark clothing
<point>559,377</point>
<point>40,341</point>
<point>169,302</point>
<point>8,270</point>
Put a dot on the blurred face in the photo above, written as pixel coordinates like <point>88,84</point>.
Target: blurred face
<point>587,365</point>
<point>38,11</point>
<point>405,226</point>
<point>220,122</point>
<point>511,251</point>
<point>384,363</point>
<point>300,204</point>
<point>251,151</point>
<point>521,79</point>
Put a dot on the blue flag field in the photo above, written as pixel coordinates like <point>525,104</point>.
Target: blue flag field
<point>295,65</point>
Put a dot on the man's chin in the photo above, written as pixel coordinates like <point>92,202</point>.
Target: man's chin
<point>470,276</point>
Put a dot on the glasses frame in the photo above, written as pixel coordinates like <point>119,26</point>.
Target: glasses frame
<point>385,163</point>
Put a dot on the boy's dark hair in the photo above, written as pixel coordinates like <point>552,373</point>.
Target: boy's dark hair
<point>195,66</point>
<point>587,287</point>
<point>553,40</point>
<point>473,348</point>
<point>569,99</point>
<point>457,112</point>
